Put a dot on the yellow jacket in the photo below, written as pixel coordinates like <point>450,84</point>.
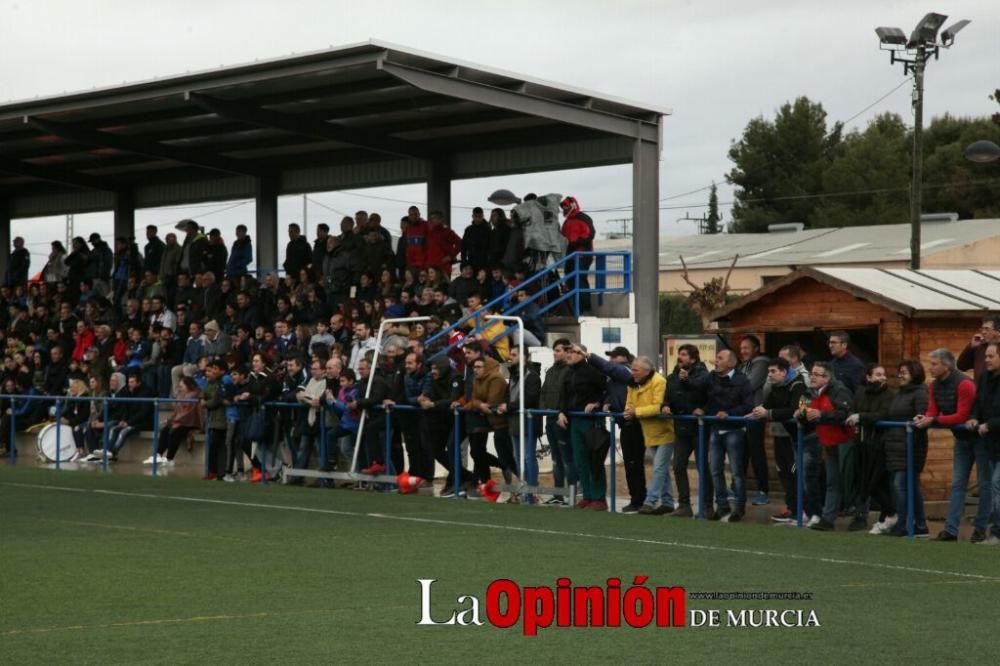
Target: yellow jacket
<point>501,346</point>
<point>647,399</point>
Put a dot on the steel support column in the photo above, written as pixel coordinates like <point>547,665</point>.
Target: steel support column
<point>4,237</point>
<point>646,244</point>
<point>266,200</point>
<point>439,188</point>
<point>124,215</point>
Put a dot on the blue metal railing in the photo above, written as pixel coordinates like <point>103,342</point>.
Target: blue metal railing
<point>701,453</point>
<point>600,271</point>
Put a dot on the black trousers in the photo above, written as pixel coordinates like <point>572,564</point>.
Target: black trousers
<point>784,459</point>
<point>417,449</point>
<point>441,438</point>
<point>634,460</point>
<point>756,456</point>
<point>685,445</point>
<point>215,442</point>
<point>482,459</point>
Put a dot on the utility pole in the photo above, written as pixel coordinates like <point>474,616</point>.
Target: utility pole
<point>69,232</point>
<point>918,154</point>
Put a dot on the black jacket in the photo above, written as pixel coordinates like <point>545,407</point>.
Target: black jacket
<point>870,401</point>
<point>987,410</point>
<point>298,255</point>
<point>783,399</point>
<point>153,254</point>
<point>532,396</point>
<point>732,395</point>
<point>685,396</point>
<point>583,384</point>
<point>18,266</point>
<point>476,245</point>
<point>907,402</point>
<point>374,420</point>
<point>138,414</point>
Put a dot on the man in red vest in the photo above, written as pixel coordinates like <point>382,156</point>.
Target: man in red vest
<point>825,414</point>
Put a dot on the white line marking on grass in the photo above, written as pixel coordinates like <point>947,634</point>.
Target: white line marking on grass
<point>544,532</point>
<point>186,620</point>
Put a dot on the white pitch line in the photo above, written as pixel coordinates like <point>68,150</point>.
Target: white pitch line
<point>535,530</point>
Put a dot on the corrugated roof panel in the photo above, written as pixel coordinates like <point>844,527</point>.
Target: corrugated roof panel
<point>985,287</point>
<point>893,286</point>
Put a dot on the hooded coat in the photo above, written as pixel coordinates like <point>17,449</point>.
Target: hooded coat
<point>490,389</point>
<point>539,221</point>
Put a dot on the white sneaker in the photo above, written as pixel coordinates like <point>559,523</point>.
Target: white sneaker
<point>889,523</point>
<point>164,462</point>
<point>878,528</point>
<point>814,521</point>
<point>228,478</point>
<point>991,540</point>
<point>152,459</point>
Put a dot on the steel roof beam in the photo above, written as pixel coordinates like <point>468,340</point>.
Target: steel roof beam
<point>360,138</point>
<point>494,96</point>
<point>56,175</point>
<point>141,146</point>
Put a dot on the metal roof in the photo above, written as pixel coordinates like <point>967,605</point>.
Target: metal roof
<point>354,116</point>
<point>923,293</point>
<point>841,245</point>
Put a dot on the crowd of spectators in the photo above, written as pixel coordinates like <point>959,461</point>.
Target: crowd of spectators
<point>172,319</point>
<point>184,318</point>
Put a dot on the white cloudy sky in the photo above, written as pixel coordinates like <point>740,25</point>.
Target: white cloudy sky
<point>715,63</point>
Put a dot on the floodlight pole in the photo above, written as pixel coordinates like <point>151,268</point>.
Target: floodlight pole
<point>916,192</point>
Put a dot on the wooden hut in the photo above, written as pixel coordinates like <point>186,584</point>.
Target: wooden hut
<point>891,315</point>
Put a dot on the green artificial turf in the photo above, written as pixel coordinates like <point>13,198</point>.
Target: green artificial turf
<point>147,577</point>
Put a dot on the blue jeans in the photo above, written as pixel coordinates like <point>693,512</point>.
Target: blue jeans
<point>919,517</point>
<point>812,460</point>
<point>563,471</point>
<point>302,451</point>
<point>734,444</point>
<point>968,452</point>
<point>658,490</point>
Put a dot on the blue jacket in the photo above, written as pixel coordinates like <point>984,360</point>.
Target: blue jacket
<point>240,256</point>
<point>193,350</point>
<point>417,385</point>
<point>228,393</point>
<point>850,371</point>
<point>620,379</point>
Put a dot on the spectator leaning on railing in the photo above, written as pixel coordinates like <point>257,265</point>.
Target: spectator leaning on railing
<point>584,390</point>
<point>950,403</point>
<point>784,390</point>
<point>824,419</point>
<point>985,422</point>
<point>643,404</point>
<point>620,378</point>
<point>687,391</point>
<point>729,394</point>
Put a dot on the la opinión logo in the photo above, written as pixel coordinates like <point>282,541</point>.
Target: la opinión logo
<point>565,605</point>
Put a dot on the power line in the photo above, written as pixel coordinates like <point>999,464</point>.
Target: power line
<point>329,208</point>
<point>895,88</point>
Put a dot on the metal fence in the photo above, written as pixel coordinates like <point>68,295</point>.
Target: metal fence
<point>389,478</point>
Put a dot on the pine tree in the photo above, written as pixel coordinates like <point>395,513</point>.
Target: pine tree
<point>712,222</point>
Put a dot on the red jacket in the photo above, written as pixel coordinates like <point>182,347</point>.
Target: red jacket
<point>415,235</point>
<point>441,242</point>
<point>829,433</point>
<point>575,228</point>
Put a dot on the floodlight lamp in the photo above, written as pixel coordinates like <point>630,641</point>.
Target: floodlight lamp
<point>890,36</point>
<point>504,198</point>
<point>982,152</point>
<point>948,34</point>
<point>927,30</point>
